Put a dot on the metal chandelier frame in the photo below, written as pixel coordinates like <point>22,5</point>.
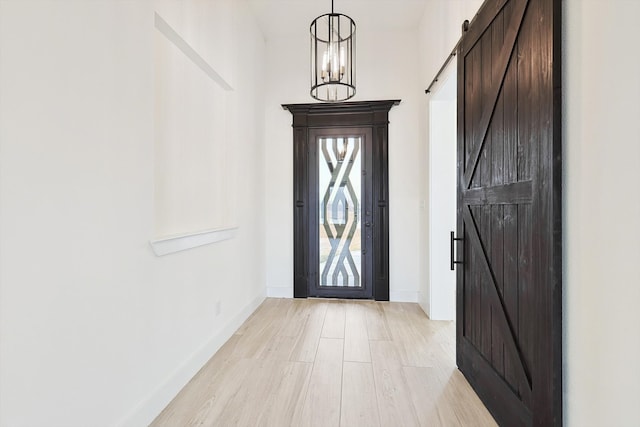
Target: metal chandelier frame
<point>333,59</point>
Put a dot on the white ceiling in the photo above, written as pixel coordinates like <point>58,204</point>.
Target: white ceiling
<point>285,17</point>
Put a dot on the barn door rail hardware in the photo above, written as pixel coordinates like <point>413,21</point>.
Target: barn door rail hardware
<point>465,27</point>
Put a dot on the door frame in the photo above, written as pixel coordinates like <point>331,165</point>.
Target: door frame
<point>365,114</point>
<point>366,209</point>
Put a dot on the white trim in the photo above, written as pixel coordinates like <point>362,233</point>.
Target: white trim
<point>169,245</point>
<point>403,296</point>
<point>175,38</point>
<point>279,292</point>
<point>146,411</point>
<point>422,303</point>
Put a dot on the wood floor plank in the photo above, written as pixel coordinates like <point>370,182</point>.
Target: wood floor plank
<point>397,322</point>
<point>207,399</point>
<point>358,396</point>
<point>464,402</point>
<point>262,329</point>
<point>201,385</point>
<point>416,337</point>
<point>252,343</point>
<point>321,407</point>
<point>281,406</point>
<point>394,401</point>
<point>278,347</point>
<point>426,387</point>
<point>296,315</point>
<point>307,343</point>
<point>393,367</point>
<point>334,320</point>
<point>443,398</point>
<point>377,327</point>
<point>249,402</point>
<point>266,310</point>
<point>356,337</point>
<point>420,352</point>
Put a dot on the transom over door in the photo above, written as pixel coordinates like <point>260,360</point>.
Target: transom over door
<point>509,283</point>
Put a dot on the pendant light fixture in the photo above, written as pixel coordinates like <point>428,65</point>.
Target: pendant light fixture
<point>333,57</point>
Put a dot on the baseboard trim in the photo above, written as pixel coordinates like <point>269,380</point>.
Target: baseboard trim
<point>280,292</point>
<point>424,308</point>
<point>146,411</point>
<point>403,296</point>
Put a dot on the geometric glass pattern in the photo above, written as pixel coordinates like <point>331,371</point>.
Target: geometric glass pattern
<point>340,167</point>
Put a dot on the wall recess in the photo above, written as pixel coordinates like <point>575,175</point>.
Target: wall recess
<point>194,159</point>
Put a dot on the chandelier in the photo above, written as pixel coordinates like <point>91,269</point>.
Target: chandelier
<point>333,57</point>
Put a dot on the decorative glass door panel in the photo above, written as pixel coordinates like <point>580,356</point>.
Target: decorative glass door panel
<point>340,189</point>
<point>340,215</point>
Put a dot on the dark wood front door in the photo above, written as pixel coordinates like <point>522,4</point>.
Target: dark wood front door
<point>509,159</point>
<point>341,199</point>
<point>341,213</point>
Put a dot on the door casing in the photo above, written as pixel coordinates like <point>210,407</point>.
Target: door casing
<point>366,114</point>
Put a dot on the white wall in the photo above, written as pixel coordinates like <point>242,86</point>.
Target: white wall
<point>387,68</point>
<point>601,213</point>
<point>95,329</point>
<point>439,31</point>
<point>195,173</point>
<point>441,285</point>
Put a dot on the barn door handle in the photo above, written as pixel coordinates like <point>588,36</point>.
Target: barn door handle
<point>453,255</point>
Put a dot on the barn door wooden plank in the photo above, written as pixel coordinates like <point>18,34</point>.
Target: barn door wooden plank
<point>507,194</point>
<point>501,393</point>
<point>496,301</point>
<point>488,11</point>
<point>509,294</point>
<point>499,71</point>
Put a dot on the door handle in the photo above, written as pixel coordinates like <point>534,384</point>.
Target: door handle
<point>367,224</point>
<point>453,255</point>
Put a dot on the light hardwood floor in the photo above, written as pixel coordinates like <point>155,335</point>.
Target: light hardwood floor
<point>299,362</point>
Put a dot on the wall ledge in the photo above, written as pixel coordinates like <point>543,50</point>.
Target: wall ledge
<point>182,242</point>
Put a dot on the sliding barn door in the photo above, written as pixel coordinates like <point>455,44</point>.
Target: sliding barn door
<point>509,158</point>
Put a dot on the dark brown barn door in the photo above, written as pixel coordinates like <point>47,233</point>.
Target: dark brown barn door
<point>509,282</point>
